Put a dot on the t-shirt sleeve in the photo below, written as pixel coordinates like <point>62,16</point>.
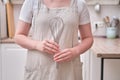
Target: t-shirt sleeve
<point>84,17</point>
<point>26,12</point>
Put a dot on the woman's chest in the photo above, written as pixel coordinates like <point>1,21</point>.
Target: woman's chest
<point>68,17</point>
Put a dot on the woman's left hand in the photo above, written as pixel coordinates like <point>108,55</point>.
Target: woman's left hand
<point>65,55</point>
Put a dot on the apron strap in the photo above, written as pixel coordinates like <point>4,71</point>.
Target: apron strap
<point>73,2</point>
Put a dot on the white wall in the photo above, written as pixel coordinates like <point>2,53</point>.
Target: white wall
<point>105,11</point>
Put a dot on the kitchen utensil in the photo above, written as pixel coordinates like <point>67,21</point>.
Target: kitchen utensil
<point>107,21</point>
<point>56,25</point>
<point>115,22</point>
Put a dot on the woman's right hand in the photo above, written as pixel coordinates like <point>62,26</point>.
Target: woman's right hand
<point>47,46</point>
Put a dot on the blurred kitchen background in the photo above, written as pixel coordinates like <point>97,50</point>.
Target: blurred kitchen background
<point>101,62</point>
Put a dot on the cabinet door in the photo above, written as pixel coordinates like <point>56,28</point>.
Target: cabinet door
<point>85,58</point>
<point>112,69</point>
<point>13,62</point>
<point>95,66</point>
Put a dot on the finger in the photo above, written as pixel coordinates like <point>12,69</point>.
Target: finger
<point>49,50</point>
<point>53,47</point>
<point>62,52</point>
<point>53,43</point>
<point>68,54</point>
<point>67,58</point>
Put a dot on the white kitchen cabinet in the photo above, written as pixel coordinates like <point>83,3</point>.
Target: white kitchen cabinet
<point>85,58</point>
<point>13,59</point>
<point>111,68</point>
<point>95,66</point>
<point>91,66</point>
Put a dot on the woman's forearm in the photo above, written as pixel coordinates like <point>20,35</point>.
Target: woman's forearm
<point>21,35</point>
<point>25,41</point>
<point>47,46</point>
<point>83,46</point>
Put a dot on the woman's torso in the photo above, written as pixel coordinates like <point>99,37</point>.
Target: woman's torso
<point>43,63</point>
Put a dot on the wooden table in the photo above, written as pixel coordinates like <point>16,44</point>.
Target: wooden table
<point>106,49</point>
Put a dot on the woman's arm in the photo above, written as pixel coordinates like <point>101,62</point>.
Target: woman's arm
<point>21,35</point>
<point>86,42</point>
<point>86,39</point>
<point>21,38</point>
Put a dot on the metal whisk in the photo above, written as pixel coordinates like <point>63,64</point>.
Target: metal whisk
<point>56,25</point>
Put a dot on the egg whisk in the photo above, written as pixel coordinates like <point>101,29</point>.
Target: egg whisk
<point>56,25</point>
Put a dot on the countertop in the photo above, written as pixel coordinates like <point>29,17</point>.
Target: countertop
<point>7,40</point>
<point>106,48</point>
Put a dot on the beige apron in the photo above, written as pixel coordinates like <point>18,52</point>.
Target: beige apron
<point>41,66</point>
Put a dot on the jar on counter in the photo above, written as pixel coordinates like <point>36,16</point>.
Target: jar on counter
<point>111,32</point>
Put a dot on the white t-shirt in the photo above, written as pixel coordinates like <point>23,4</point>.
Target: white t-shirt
<point>31,6</point>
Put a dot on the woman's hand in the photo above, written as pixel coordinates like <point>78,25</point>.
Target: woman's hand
<point>47,46</point>
<point>65,55</point>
